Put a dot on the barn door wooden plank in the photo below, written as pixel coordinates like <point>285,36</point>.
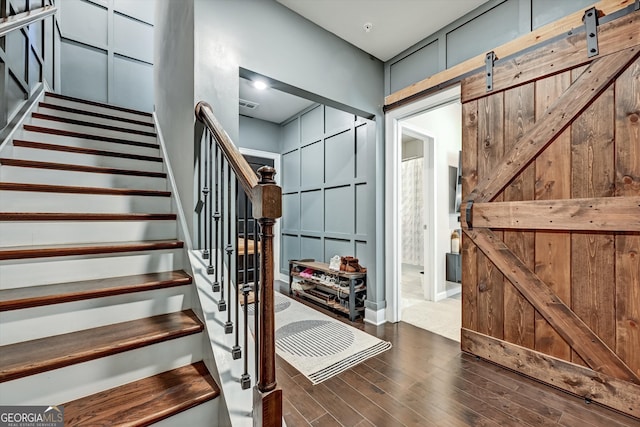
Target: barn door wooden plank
<point>578,380</point>
<point>627,183</point>
<point>556,57</point>
<point>490,151</point>
<point>552,250</point>
<point>598,214</point>
<point>519,315</point>
<point>469,182</point>
<point>557,118</point>
<point>583,340</point>
<point>592,255</point>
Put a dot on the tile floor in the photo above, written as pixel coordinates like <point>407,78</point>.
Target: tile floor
<point>443,317</point>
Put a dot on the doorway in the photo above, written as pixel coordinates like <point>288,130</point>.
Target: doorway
<point>436,124</point>
<point>257,159</point>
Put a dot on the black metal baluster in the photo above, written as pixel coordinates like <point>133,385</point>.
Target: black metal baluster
<point>245,379</point>
<point>228,326</point>
<point>205,192</point>
<point>210,213</point>
<point>222,305</point>
<point>256,290</point>
<point>236,351</point>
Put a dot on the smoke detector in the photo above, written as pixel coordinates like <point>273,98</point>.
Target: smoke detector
<point>367,27</point>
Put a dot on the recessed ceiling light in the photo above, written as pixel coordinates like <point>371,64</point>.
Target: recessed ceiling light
<point>260,85</point>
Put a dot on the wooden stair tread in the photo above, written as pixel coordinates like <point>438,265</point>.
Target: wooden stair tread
<point>97,104</point>
<point>44,354</point>
<point>78,168</point>
<point>93,114</point>
<point>74,216</point>
<point>36,296</point>
<point>47,251</point>
<point>91,124</point>
<point>47,188</point>
<point>83,135</point>
<point>82,150</point>
<point>146,401</point>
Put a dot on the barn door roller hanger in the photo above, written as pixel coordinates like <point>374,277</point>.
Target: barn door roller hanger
<point>590,19</point>
<point>489,60</point>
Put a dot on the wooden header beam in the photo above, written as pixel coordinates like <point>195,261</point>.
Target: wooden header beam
<point>528,40</point>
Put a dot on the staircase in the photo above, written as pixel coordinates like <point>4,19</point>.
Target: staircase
<point>95,307</point>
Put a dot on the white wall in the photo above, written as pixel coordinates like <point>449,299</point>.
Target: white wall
<point>173,85</point>
<point>445,125</point>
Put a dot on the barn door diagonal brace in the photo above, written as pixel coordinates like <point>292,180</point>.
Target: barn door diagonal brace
<point>590,19</point>
<point>489,60</point>
<point>557,117</point>
<point>597,355</point>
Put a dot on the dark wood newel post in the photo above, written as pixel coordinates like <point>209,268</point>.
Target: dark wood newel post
<point>267,379</point>
<point>267,207</point>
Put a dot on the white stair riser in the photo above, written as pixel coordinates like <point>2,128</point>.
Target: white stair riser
<point>43,271</point>
<point>70,232</point>
<point>86,179</point>
<point>29,201</point>
<point>92,130</point>
<point>204,414</point>
<point>85,159</point>
<point>39,322</point>
<point>93,119</point>
<point>101,110</point>
<point>76,381</point>
<point>87,143</point>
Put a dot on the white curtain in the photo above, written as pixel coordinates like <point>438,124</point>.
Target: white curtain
<point>412,212</point>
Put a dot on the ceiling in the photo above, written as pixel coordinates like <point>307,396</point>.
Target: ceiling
<point>396,25</point>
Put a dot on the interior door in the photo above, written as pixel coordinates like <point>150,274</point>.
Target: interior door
<point>551,182</point>
<point>246,225</point>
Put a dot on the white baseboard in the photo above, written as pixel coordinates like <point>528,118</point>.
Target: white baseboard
<point>375,317</point>
<point>449,292</point>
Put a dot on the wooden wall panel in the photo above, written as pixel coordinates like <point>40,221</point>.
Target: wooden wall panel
<point>519,315</point>
<point>552,250</point>
<point>490,151</point>
<point>469,181</point>
<point>592,255</point>
<point>627,247</point>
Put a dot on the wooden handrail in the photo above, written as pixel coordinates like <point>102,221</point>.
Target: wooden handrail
<point>239,165</point>
<point>15,22</point>
<point>266,199</point>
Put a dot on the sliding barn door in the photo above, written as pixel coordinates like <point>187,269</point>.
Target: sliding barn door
<point>551,243</point>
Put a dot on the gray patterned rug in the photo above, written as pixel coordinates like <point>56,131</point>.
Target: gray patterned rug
<point>317,345</point>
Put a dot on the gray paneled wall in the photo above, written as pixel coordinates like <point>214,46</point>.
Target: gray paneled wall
<point>107,51</point>
<point>490,25</point>
<point>328,186</point>
<point>28,56</point>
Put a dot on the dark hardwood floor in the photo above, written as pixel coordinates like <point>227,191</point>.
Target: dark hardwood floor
<point>425,380</point>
